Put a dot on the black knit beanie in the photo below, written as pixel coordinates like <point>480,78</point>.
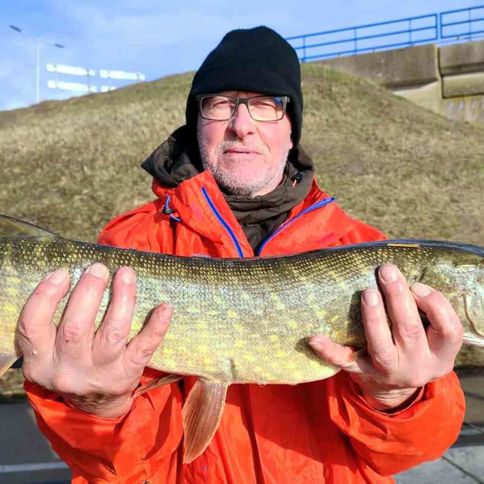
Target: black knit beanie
<point>257,60</point>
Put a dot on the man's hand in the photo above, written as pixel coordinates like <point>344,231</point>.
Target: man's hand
<point>404,357</point>
<point>96,371</point>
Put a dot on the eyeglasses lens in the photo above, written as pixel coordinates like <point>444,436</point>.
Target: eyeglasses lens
<point>261,108</point>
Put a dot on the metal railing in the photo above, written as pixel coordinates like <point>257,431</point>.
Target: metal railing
<point>463,24</point>
<point>456,25</point>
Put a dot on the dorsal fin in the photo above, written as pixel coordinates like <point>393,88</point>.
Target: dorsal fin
<point>12,227</point>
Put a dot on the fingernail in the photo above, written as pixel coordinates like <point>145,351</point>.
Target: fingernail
<point>421,290</point>
<point>315,345</point>
<point>98,270</point>
<point>127,276</point>
<point>57,277</point>
<point>166,310</point>
<point>389,273</point>
<point>370,296</point>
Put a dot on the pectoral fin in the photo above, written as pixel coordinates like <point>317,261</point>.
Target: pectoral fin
<point>201,416</point>
<point>165,380</point>
<point>472,339</point>
<point>474,308</point>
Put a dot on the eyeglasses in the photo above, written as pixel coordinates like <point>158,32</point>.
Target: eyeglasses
<point>261,108</point>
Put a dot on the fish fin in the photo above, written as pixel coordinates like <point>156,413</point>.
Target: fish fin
<point>473,339</point>
<point>6,361</point>
<point>474,309</point>
<point>202,413</point>
<point>12,227</point>
<point>165,380</point>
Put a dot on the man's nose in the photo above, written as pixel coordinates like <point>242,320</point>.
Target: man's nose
<point>241,122</point>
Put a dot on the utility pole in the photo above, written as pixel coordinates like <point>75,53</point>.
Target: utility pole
<point>38,44</point>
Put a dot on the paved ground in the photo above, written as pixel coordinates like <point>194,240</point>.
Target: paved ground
<point>27,458</point>
<point>464,462</point>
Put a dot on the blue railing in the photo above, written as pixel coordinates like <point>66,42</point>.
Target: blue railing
<point>454,25</point>
<point>463,24</point>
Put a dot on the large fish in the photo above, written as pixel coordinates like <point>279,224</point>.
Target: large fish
<point>241,320</point>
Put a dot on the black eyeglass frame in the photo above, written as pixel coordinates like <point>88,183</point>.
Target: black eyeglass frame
<point>243,100</point>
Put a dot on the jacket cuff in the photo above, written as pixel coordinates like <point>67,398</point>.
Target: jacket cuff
<point>392,442</point>
<point>112,449</point>
<point>418,396</point>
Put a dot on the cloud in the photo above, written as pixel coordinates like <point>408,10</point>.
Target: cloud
<point>157,37</point>
<point>148,36</point>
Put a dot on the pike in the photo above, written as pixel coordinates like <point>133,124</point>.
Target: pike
<point>240,320</point>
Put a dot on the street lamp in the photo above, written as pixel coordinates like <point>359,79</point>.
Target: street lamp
<point>38,43</point>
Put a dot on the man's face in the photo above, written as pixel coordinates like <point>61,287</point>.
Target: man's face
<point>246,157</point>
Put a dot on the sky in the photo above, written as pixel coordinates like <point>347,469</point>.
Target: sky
<point>159,37</point>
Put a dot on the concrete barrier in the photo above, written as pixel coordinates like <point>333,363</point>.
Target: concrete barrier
<point>448,80</point>
<point>393,68</point>
<point>463,85</point>
<point>461,58</point>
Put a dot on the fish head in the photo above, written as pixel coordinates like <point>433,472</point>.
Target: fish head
<point>460,278</point>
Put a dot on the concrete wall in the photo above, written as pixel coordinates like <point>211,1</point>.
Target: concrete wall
<point>448,80</point>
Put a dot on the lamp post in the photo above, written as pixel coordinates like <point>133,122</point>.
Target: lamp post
<point>38,44</point>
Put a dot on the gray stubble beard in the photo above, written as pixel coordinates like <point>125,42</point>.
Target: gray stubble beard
<point>224,179</point>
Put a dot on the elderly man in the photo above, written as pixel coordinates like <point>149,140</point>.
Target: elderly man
<point>234,182</point>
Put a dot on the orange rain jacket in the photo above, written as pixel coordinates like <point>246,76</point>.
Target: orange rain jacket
<point>320,432</point>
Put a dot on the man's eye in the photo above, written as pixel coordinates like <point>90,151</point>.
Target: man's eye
<point>221,103</point>
<point>265,103</point>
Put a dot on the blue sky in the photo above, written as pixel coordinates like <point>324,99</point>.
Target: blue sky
<point>159,37</point>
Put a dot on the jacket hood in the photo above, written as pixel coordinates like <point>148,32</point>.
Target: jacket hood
<point>177,159</point>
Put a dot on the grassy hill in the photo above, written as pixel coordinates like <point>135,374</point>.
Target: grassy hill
<point>72,165</point>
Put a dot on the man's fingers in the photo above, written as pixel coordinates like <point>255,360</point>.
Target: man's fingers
<point>379,341</point>
<point>336,354</point>
<point>445,331</point>
<point>35,331</point>
<point>408,331</point>
<point>112,335</point>
<point>142,346</point>
<point>76,331</point>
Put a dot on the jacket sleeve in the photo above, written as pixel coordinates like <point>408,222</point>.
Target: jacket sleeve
<point>126,449</point>
<point>392,442</point>
<point>360,232</point>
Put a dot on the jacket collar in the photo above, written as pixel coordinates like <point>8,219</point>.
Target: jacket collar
<point>198,203</point>
<point>177,161</point>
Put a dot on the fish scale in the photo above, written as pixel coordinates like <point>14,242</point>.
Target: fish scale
<point>241,320</point>
<point>268,306</point>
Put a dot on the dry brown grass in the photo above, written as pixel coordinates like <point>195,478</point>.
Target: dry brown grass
<point>72,165</point>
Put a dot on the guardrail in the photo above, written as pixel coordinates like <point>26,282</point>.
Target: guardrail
<point>463,24</point>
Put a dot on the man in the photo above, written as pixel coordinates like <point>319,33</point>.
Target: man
<point>234,182</point>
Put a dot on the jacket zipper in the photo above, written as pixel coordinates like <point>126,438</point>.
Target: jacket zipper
<point>315,206</point>
<point>224,224</point>
<point>236,243</point>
